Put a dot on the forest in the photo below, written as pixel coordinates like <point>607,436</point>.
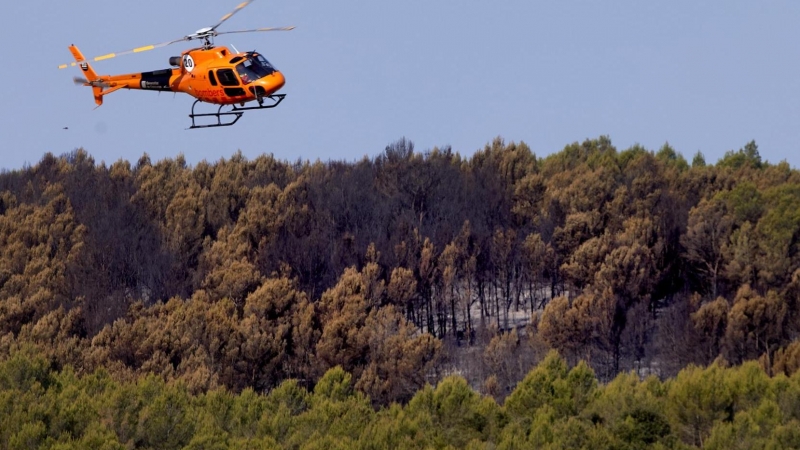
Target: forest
<point>624,298</point>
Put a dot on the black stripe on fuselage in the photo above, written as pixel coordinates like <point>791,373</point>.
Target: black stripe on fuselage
<point>157,80</point>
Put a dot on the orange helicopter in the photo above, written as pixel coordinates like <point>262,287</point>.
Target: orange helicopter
<point>209,73</point>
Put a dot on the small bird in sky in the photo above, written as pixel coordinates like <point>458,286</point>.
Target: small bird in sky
<point>66,128</point>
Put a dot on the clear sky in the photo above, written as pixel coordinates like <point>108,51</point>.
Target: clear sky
<point>701,75</point>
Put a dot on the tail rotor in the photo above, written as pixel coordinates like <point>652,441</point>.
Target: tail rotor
<point>80,81</point>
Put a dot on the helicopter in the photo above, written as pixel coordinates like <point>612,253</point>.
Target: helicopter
<point>209,73</point>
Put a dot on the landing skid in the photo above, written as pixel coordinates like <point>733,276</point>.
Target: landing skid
<point>234,114</point>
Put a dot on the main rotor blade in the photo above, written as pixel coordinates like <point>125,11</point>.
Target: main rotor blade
<point>126,52</point>
<point>230,14</point>
<point>258,29</point>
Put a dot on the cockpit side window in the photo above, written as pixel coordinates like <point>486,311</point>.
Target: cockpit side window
<point>227,77</point>
<point>212,78</point>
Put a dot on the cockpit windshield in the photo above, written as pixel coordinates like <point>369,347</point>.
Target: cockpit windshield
<point>253,68</point>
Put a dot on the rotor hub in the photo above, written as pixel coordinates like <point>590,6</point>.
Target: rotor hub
<point>206,34</point>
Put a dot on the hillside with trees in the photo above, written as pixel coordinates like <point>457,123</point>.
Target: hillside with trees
<point>349,288</point>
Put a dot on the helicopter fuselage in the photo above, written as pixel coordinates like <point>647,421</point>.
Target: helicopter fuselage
<point>209,74</point>
<point>213,75</point>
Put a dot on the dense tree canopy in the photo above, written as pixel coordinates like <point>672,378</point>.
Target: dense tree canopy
<point>229,278</point>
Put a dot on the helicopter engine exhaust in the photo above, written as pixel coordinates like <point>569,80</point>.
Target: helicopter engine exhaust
<point>175,61</point>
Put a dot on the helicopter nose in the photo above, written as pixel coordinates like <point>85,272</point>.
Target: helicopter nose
<point>271,83</point>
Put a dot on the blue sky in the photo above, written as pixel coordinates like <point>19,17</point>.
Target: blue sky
<point>704,76</point>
